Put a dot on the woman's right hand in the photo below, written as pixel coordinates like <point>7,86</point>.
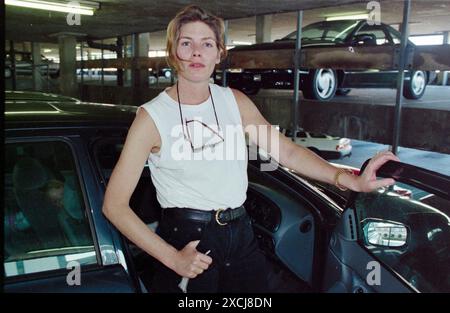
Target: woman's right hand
<point>190,262</point>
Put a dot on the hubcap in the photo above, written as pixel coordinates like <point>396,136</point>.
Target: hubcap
<point>325,83</point>
<point>418,82</point>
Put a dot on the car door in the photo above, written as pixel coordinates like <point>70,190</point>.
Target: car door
<point>55,238</point>
<point>386,242</point>
<point>371,35</point>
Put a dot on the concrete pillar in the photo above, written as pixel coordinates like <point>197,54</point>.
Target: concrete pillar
<point>141,44</point>
<point>445,74</point>
<point>26,47</point>
<point>446,37</point>
<point>263,28</point>
<point>67,66</point>
<point>127,43</point>
<point>37,68</point>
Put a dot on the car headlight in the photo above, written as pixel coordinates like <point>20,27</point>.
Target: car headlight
<point>257,78</point>
<point>235,70</point>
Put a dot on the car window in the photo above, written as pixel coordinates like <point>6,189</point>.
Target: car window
<point>301,135</point>
<point>411,235</point>
<point>395,35</point>
<point>143,201</point>
<point>334,31</point>
<point>376,34</point>
<point>45,220</point>
<point>317,135</point>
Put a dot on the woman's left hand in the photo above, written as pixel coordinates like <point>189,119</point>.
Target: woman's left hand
<point>368,180</point>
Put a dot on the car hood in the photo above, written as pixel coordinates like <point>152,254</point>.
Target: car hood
<point>36,96</point>
<point>55,112</point>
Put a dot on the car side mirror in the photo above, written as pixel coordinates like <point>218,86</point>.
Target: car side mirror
<point>385,233</point>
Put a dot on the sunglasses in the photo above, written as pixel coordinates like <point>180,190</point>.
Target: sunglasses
<point>192,124</point>
<point>215,136</point>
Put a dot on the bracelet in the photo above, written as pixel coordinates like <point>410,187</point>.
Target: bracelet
<point>336,178</point>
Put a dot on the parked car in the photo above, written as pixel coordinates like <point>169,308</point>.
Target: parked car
<point>323,83</point>
<point>328,147</point>
<point>24,65</point>
<point>165,72</point>
<point>313,240</point>
<point>163,75</point>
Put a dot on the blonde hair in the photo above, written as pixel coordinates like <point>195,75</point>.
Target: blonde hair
<point>193,13</point>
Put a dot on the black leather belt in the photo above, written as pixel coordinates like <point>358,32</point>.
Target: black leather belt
<point>220,216</point>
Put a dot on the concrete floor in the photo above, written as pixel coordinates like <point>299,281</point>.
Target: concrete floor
<point>435,97</point>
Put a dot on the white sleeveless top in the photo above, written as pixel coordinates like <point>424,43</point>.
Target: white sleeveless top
<point>208,179</point>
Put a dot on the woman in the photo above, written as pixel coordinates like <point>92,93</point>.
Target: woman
<point>184,133</point>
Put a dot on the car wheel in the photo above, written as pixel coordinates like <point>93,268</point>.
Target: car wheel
<point>321,84</point>
<point>415,87</point>
<point>343,91</point>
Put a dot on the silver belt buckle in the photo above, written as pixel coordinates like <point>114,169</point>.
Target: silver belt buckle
<point>217,217</point>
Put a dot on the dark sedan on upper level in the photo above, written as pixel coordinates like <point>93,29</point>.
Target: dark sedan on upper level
<point>324,83</point>
<point>59,156</point>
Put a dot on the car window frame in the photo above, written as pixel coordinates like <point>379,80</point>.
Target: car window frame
<point>99,263</point>
<point>381,28</point>
<point>402,173</point>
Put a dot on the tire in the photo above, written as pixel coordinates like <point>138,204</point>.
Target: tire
<point>321,84</point>
<point>414,88</point>
<point>343,91</point>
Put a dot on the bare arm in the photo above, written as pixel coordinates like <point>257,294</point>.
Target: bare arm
<point>142,137</point>
<point>301,159</point>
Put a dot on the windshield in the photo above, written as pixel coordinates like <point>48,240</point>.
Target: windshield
<point>325,31</point>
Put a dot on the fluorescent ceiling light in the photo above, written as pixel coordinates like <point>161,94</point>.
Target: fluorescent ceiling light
<point>246,43</point>
<point>84,7</point>
<point>364,16</point>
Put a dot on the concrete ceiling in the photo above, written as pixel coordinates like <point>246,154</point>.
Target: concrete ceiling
<point>120,17</point>
<point>124,17</point>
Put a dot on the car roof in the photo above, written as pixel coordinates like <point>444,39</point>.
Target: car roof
<point>32,114</point>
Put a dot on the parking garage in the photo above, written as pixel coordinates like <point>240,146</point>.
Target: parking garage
<point>366,77</point>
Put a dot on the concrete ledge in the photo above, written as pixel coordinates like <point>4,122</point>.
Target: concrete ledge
<point>421,128</point>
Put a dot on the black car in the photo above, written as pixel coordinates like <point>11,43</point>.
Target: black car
<point>323,84</point>
<point>59,157</point>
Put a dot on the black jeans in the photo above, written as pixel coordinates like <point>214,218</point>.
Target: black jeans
<point>238,265</point>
